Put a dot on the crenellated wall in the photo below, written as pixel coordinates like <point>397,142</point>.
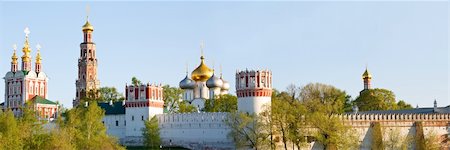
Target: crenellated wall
<point>195,130</point>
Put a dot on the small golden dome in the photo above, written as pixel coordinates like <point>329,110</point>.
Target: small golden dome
<point>14,57</point>
<point>202,72</point>
<point>366,74</point>
<point>88,26</point>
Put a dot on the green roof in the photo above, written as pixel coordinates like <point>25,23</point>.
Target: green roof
<point>115,109</point>
<point>40,100</point>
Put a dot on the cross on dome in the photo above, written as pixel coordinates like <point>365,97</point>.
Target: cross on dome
<point>26,31</point>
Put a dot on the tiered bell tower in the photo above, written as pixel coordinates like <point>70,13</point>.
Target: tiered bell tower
<point>87,66</point>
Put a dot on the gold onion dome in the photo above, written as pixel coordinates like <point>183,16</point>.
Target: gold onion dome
<point>366,74</point>
<point>14,56</point>
<point>202,72</point>
<point>88,26</point>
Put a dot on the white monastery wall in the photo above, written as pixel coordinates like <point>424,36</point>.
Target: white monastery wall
<point>195,130</point>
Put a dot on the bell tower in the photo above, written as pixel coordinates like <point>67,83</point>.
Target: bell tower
<point>87,66</point>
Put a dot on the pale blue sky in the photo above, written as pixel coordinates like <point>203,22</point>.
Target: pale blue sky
<point>405,44</point>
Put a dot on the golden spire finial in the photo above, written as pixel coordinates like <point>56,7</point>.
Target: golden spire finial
<point>87,26</point>
<point>26,47</point>
<point>38,55</point>
<point>14,56</point>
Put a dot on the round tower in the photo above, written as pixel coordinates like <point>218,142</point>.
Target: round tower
<point>254,90</point>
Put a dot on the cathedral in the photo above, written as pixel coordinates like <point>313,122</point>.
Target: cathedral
<point>28,85</point>
<point>203,84</point>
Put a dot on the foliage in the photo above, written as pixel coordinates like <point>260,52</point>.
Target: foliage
<point>248,130</point>
<point>135,81</point>
<point>9,131</point>
<point>419,137</point>
<point>432,141</point>
<point>377,99</point>
<point>185,107</point>
<point>110,94</point>
<point>377,137</point>
<point>395,141</point>
<point>332,133</point>
<point>151,133</point>
<point>318,97</point>
<point>322,102</point>
<point>172,98</point>
<point>85,129</point>
<point>222,103</point>
<point>403,105</point>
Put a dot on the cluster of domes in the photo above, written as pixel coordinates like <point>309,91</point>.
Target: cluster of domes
<point>204,74</point>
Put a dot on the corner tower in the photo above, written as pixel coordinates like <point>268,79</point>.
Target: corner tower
<point>254,90</point>
<point>87,65</point>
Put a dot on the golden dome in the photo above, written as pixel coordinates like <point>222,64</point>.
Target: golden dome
<point>366,74</point>
<point>88,26</point>
<point>14,57</point>
<point>202,72</point>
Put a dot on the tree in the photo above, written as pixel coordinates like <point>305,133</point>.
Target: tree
<point>110,94</point>
<point>184,107</point>
<point>376,99</point>
<point>248,130</point>
<point>432,141</point>
<point>85,127</point>
<point>222,103</point>
<point>172,98</point>
<point>420,143</point>
<point>151,133</point>
<point>9,131</point>
<point>377,137</point>
<point>318,97</point>
<point>403,105</point>
<point>322,103</point>
<point>396,141</point>
<point>135,81</point>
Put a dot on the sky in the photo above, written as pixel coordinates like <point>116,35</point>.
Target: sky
<point>404,44</point>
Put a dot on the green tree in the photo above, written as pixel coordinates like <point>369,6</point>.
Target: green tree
<point>376,99</point>
<point>318,97</point>
<point>248,131</point>
<point>110,94</point>
<point>135,81</point>
<point>185,107</point>
<point>85,127</point>
<point>9,132</point>
<point>151,133</point>
<point>377,137</point>
<point>403,105</point>
<point>223,103</point>
<point>172,98</point>
<point>332,133</point>
<point>420,143</point>
<point>396,141</point>
<point>323,102</point>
